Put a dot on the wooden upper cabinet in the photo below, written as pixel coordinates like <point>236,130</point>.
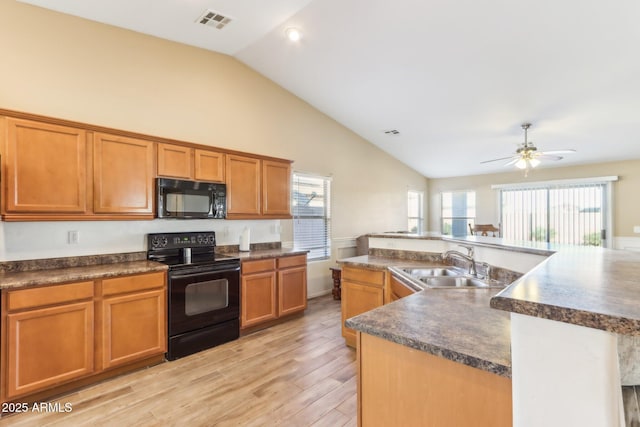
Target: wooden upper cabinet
<point>209,166</point>
<point>175,161</point>
<point>46,168</point>
<point>258,188</point>
<point>123,175</point>
<point>243,186</point>
<point>276,189</point>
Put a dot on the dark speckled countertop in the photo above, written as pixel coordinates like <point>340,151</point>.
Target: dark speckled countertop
<point>52,271</point>
<point>456,324</point>
<point>593,287</point>
<point>54,276</point>
<point>586,286</point>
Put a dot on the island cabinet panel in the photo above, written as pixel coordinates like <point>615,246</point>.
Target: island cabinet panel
<point>209,166</point>
<point>243,187</point>
<point>362,290</point>
<point>276,189</point>
<point>124,170</point>
<point>46,168</point>
<point>401,386</point>
<point>49,340</point>
<point>175,161</point>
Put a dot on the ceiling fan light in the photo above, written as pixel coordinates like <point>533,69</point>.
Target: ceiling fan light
<point>534,162</point>
<point>521,164</point>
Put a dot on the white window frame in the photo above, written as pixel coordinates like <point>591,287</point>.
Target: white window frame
<point>607,242</point>
<point>318,245</point>
<point>420,217</point>
<point>469,220</point>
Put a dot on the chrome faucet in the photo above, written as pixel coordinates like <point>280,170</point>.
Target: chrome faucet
<point>469,258</point>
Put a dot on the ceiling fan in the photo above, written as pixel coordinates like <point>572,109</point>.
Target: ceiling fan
<point>527,155</point>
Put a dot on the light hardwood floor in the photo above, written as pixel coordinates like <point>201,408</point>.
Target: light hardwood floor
<point>299,373</point>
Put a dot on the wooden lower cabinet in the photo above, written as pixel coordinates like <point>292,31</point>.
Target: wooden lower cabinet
<point>48,346</point>
<point>258,298</point>
<point>272,288</point>
<point>133,319</point>
<point>362,290</point>
<point>55,336</point>
<point>401,386</point>
<point>292,284</point>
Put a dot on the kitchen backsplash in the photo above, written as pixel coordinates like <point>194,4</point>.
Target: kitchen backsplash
<point>36,240</point>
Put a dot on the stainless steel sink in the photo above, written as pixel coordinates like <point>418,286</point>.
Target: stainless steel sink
<point>431,272</point>
<point>448,277</point>
<point>457,282</point>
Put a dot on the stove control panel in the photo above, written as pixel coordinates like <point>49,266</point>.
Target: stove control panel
<point>181,240</point>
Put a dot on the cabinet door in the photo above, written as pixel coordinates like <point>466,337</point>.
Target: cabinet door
<point>243,186</point>
<point>357,299</point>
<point>209,166</point>
<point>123,175</point>
<point>48,346</point>
<point>46,168</point>
<point>133,327</point>
<point>292,290</point>
<point>276,189</point>
<point>398,289</point>
<point>175,161</point>
<point>258,296</point>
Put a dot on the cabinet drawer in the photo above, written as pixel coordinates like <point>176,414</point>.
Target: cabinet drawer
<point>372,277</point>
<point>292,261</point>
<point>49,295</point>
<point>249,267</point>
<point>138,282</point>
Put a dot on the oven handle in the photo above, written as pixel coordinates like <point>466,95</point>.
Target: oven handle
<point>203,273</point>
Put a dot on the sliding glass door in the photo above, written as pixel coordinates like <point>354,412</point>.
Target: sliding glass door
<point>570,214</point>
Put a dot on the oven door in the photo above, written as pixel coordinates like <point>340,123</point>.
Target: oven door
<point>200,299</point>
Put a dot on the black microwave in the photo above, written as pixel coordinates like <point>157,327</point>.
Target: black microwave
<point>190,199</point>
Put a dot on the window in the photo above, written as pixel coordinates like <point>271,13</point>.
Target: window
<point>565,212</point>
<point>415,211</point>
<point>458,211</point>
<point>312,215</point>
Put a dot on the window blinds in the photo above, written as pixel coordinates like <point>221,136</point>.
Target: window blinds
<point>567,214</point>
<point>312,215</point>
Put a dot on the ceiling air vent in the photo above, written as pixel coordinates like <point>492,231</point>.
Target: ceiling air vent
<point>214,19</point>
<point>392,132</point>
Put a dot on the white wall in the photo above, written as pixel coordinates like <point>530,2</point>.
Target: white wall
<point>66,67</point>
<point>32,240</point>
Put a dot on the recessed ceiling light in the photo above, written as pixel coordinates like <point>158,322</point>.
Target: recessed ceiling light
<point>293,34</point>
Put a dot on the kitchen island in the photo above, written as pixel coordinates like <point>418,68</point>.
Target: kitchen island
<point>560,376</point>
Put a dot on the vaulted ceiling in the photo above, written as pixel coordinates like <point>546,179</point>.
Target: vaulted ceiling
<point>454,79</point>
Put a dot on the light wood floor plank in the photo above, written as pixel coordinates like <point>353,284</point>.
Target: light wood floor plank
<point>298,373</point>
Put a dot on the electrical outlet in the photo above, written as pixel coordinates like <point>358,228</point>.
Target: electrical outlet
<point>73,237</point>
<point>636,228</point>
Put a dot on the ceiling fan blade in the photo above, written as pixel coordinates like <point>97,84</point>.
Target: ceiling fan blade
<point>501,158</point>
<point>546,156</point>
<point>566,151</point>
<point>513,161</point>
